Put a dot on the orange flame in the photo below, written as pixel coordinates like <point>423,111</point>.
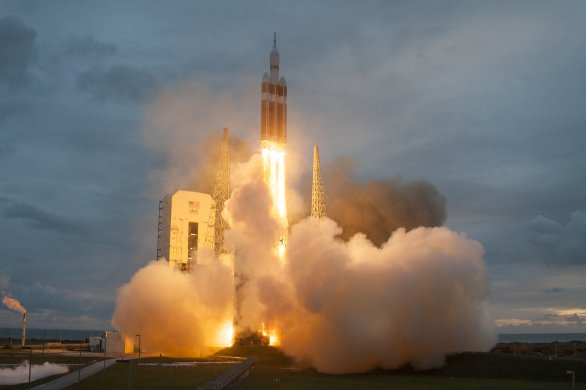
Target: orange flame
<point>273,157</point>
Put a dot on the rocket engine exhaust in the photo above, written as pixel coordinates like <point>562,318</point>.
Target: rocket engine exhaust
<point>23,336</point>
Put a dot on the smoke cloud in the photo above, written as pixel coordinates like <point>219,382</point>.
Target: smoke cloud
<point>341,306</point>
<point>420,296</point>
<point>351,306</point>
<point>177,313</point>
<point>19,374</point>
<point>379,207</point>
<point>254,232</point>
<point>184,123</point>
<point>13,304</point>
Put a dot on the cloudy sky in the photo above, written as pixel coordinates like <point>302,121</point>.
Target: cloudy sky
<point>485,100</point>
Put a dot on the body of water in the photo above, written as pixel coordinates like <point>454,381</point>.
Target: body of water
<point>540,337</point>
<point>49,334</point>
<point>72,334</point>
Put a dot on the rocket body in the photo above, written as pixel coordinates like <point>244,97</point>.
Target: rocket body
<point>273,110</point>
<point>273,139</point>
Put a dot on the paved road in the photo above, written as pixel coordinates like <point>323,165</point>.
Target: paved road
<point>72,378</point>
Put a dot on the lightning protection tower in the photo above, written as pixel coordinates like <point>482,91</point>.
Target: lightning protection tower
<point>318,196</point>
<point>217,224</point>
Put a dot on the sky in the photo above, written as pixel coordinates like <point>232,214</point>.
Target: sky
<point>485,100</point>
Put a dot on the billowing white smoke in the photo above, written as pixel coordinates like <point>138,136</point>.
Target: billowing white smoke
<point>177,313</point>
<point>422,295</point>
<point>341,306</point>
<point>19,374</point>
<point>350,306</point>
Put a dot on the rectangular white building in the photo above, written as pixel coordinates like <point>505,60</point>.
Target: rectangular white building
<point>184,219</point>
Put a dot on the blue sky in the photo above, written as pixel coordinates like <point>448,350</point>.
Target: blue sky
<point>485,100</point>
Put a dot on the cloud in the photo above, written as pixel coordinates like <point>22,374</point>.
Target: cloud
<point>554,290</point>
<point>39,219</point>
<point>545,320</point>
<point>89,47</point>
<point>17,51</point>
<point>554,243</point>
<point>12,108</point>
<point>118,83</point>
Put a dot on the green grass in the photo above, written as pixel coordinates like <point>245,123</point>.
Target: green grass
<point>269,379</point>
<point>277,371</point>
<point>153,377</point>
<point>462,371</point>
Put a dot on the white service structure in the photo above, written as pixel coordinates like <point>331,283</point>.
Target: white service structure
<point>184,220</point>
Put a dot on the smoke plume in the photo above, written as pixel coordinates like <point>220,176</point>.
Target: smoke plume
<point>184,124</point>
<point>177,313</point>
<point>379,207</point>
<point>13,304</point>
<point>342,306</point>
<point>254,231</point>
<point>420,296</point>
<point>352,306</point>
<point>19,374</point>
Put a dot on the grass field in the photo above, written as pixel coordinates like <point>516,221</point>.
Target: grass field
<point>463,371</point>
<point>154,377</point>
<point>277,371</point>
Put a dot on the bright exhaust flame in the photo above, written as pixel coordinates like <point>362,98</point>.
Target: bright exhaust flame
<point>226,335</point>
<point>274,339</point>
<point>273,157</point>
<point>272,334</point>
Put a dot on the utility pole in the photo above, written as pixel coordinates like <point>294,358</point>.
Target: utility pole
<point>79,371</point>
<point>30,364</point>
<point>573,374</point>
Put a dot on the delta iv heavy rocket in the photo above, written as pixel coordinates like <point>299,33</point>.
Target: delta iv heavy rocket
<point>273,110</point>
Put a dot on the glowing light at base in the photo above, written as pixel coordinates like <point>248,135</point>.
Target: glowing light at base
<point>273,155</point>
<point>226,335</point>
<point>272,334</point>
<point>274,340</point>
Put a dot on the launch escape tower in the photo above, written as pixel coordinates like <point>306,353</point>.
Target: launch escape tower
<point>217,224</point>
<point>318,196</point>
<point>273,109</point>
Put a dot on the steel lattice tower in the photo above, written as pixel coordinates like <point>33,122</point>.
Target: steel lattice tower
<point>217,223</point>
<point>318,196</point>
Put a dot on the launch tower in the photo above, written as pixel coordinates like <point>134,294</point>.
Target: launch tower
<point>217,223</point>
<point>318,196</point>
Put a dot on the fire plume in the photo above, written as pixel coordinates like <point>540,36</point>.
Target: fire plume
<point>272,334</point>
<point>273,157</point>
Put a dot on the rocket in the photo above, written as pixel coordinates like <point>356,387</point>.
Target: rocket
<point>273,109</point>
